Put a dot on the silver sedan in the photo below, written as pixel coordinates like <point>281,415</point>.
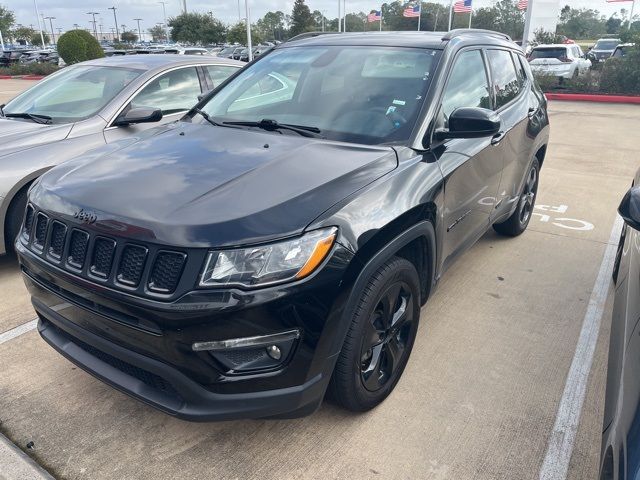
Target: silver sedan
<point>88,105</point>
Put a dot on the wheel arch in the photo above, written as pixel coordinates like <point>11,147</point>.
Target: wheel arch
<point>23,184</point>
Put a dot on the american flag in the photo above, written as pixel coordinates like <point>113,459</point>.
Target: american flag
<point>411,12</point>
<point>463,6</point>
<point>374,16</point>
<point>523,4</point>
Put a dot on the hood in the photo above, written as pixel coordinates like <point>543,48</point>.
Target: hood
<point>199,185</point>
<point>17,134</point>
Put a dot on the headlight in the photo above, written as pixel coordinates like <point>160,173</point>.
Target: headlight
<point>277,262</point>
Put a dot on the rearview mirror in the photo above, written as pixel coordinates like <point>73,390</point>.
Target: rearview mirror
<point>139,115</point>
<point>470,122</point>
<point>629,208</point>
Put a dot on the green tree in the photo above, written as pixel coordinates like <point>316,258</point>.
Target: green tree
<point>503,17</point>
<point>272,26</point>
<point>301,19</point>
<point>197,28</point>
<point>238,34</point>
<point>581,23</point>
<point>613,24</point>
<point>22,34</point>
<point>129,37</point>
<point>35,38</point>
<point>157,33</point>
<point>78,46</point>
<point>7,18</point>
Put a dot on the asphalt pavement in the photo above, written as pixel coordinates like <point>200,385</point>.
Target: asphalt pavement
<point>479,398</point>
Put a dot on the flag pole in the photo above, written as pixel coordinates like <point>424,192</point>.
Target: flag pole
<point>246,7</point>
<point>450,15</point>
<point>339,17</point>
<point>1,41</point>
<point>419,13</point>
<point>470,16</point>
<point>381,17</point>
<point>435,25</point>
<point>633,4</point>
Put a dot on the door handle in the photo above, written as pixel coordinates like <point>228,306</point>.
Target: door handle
<point>532,112</point>
<point>497,138</point>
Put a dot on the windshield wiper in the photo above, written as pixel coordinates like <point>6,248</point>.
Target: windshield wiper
<point>43,119</point>
<point>271,125</point>
<point>206,116</point>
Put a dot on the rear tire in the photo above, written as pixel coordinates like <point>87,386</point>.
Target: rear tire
<point>380,338</point>
<point>519,220</point>
<point>13,221</point>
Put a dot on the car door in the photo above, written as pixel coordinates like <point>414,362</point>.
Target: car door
<point>508,81</point>
<point>174,92</point>
<point>471,167</point>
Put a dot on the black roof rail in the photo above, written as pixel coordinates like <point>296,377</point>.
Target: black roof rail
<point>302,36</point>
<point>464,31</point>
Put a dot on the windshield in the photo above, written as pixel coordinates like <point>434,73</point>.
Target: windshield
<point>548,53</point>
<point>606,44</point>
<point>227,50</point>
<point>73,94</point>
<point>368,95</point>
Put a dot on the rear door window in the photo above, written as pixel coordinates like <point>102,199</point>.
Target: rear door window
<point>219,73</point>
<point>172,92</point>
<point>506,85</point>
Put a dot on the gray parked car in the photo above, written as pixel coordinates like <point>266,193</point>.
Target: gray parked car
<point>90,104</point>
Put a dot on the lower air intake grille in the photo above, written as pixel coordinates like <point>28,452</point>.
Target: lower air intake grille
<point>131,265</point>
<point>56,245</point>
<point>78,248</point>
<point>166,271</point>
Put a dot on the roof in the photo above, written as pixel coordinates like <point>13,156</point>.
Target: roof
<point>413,39</point>
<point>147,62</point>
<point>555,45</point>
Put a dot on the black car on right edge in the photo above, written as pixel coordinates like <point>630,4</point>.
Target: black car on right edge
<point>620,453</point>
<point>279,241</point>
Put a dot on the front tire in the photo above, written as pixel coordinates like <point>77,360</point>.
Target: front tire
<point>519,220</point>
<point>379,341</point>
<point>13,221</point>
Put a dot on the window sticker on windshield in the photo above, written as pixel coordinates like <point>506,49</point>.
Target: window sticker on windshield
<point>399,102</point>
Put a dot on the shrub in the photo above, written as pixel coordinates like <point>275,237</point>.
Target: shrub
<point>32,69</point>
<point>622,75</point>
<point>78,46</point>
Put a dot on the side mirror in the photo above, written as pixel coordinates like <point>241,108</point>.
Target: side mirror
<point>139,115</point>
<point>629,208</point>
<point>470,122</point>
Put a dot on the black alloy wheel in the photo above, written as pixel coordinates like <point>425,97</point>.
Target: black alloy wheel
<point>519,220</point>
<point>383,329</point>
<point>385,337</point>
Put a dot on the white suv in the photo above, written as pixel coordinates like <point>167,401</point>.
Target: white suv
<point>564,61</point>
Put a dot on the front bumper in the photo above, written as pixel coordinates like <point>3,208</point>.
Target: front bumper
<point>144,348</point>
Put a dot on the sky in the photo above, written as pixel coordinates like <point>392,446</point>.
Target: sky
<point>69,12</point>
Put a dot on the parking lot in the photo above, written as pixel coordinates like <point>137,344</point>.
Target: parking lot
<point>480,395</point>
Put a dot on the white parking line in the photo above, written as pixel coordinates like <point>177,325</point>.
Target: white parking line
<point>561,442</point>
<point>19,330</point>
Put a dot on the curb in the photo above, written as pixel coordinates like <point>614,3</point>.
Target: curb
<point>21,77</point>
<point>17,465</point>
<point>585,97</point>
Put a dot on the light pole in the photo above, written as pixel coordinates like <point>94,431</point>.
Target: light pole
<point>93,14</point>
<point>35,4</point>
<point>115,19</point>
<point>246,6</point>
<point>166,27</point>
<point>53,35</point>
<point>139,31</point>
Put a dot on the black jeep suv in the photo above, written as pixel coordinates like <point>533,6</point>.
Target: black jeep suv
<point>279,241</point>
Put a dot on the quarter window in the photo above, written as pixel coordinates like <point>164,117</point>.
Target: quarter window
<point>219,73</point>
<point>467,85</point>
<point>175,91</point>
<point>505,81</point>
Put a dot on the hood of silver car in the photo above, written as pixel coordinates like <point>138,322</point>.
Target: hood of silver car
<point>16,135</point>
